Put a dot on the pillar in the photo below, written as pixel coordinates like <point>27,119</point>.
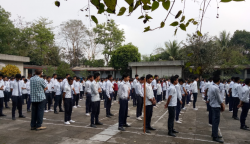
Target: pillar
<point>245,73</point>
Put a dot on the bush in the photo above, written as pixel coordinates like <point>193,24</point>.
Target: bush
<point>49,71</point>
<point>10,70</point>
<point>64,69</point>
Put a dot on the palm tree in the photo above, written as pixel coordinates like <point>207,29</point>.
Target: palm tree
<point>172,48</point>
<point>223,40</point>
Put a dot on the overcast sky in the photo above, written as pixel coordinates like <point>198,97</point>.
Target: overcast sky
<point>232,16</point>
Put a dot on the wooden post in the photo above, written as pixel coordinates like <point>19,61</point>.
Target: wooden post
<point>144,106</point>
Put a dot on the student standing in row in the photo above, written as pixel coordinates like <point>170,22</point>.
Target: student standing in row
<point>68,104</point>
<point>123,94</point>
<point>183,93</point>
<point>76,95</point>
<point>139,91</point>
<point>100,85</point>
<point>2,89</point>
<point>154,87</point>
<point>207,97</point>
<point>164,89</point>
<point>133,89</point>
<point>48,94</point>
<point>58,95</point>
<point>7,93</point>
<point>159,92</point>
<point>110,94</point>
<point>235,96</point>
<point>244,104</point>
<point>195,92</point>
<point>88,94</point>
<point>179,102</point>
<point>95,101</point>
<point>230,95</point>
<point>171,105</point>
<point>150,101</point>
<point>81,90</point>
<point>216,103</point>
<point>16,89</point>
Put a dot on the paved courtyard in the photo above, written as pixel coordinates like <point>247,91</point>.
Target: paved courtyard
<point>193,130</point>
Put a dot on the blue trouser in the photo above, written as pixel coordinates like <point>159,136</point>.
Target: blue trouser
<point>88,103</point>
<point>6,98</point>
<point>195,99</point>
<point>123,112</point>
<point>155,95</point>
<point>215,121</point>
<point>104,97</point>
<point>139,105</point>
<point>108,106</point>
<point>171,116</point>
<point>183,101</point>
<point>205,98</point>
<point>67,109</point>
<point>178,110</point>
<point>134,97</point>
<point>188,98</point>
<point>149,113</point>
<point>227,97</point>
<point>76,99</point>
<point>244,112</point>
<point>16,103</point>
<point>210,115</point>
<point>230,102</point>
<point>29,102</point>
<point>37,113</point>
<point>95,112</point>
<point>158,98</point>
<point>164,95</point>
<point>236,102</point>
<point>48,100</point>
<point>101,96</point>
<point>1,105</point>
<point>58,102</point>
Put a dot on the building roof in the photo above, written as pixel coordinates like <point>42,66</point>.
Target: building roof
<point>93,69</point>
<point>157,63</point>
<point>6,57</point>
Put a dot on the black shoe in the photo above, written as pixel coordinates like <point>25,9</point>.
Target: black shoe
<point>244,128</point>
<point>21,116</point>
<point>28,110</point>
<point>93,126</point>
<point>171,134</point>
<point>13,118</point>
<point>236,118</point>
<point>7,107</point>
<point>1,115</point>
<point>218,140</point>
<point>150,128</point>
<point>33,128</point>
<point>98,123</point>
<point>217,137</point>
<point>108,116</point>
<point>147,131</point>
<point>174,131</point>
<point>61,110</point>
<point>126,125</point>
<point>128,116</point>
<point>134,105</point>
<point>121,129</point>
<point>111,114</point>
<point>56,112</point>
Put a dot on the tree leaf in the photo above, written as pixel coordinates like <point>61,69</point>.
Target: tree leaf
<point>182,18</point>
<point>190,54</point>
<point>178,14</point>
<point>190,20</point>
<point>162,24</point>
<point>225,0</point>
<point>238,0</point>
<point>141,17</point>
<point>195,22</point>
<point>148,17</point>
<point>175,31</point>
<point>145,2</point>
<point>146,29</point>
<point>187,24</point>
<point>137,4</point>
<point>94,19</point>
<point>155,5</point>
<point>122,11</point>
<point>130,2</point>
<point>190,70</point>
<point>130,9</point>
<point>183,26</point>
<point>110,11</point>
<point>187,64</point>
<point>146,7</point>
<point>111,4</point>
<point>166,4</point>
<point>96,3</point>
<point>101,8</point>
<point>174,23</point>
<point>199,33</point>
<point>57,3</point>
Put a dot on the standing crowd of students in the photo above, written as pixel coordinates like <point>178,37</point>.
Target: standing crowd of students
<point>66,94</point>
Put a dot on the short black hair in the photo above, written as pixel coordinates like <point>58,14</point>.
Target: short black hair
<point>124,76</point>
<point>74,76</point>
<point>232,78</point>
<point>156,76</point>
<point>136,75</point>
<point>210,79</point>
<point>1,75</point>
<point>149,76</point>
<point>77,78</point>
<point>177,76</point>
<point>25,80</point>
<point>181,80</point>
<point>247,81</point>
<point>67,74</point>
<point>70,78</point>
<point>142,78</point>
<point>48,77</point>
<point>44,76</point>
<point>157,81</point>
<point>23,77</point>
<point>173,78</point>
<point>58,78</point>
<point>18,76</point>
<point>90,76</point>
<point>195,77</point>
<point>109,76</point>
<point>54,75</point>
<point>95,75</point>
<point>216,79</point>
<point>236,79</point>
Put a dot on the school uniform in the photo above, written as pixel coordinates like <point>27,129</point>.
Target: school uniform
<point>68,104</point>
<point>123,99</point>
<point>28,93</point>
<point>2,97</point>
<point>202,88</point>
<point>209,109</point>
<point>149,105</point>
<point>109,93</point>
<point>222,90</point>
<point>230,96</point>
<point>133,91</point>
<point>115,90</point>
<point>95,103</point>
<point>172,107</point>
<point>235,96</point>
<point>58,96</point>
<point>195,93</point>
<point>167,86</point>
<point>183,94</point>
<point>48,94</point>
<point>187,87</point>
<point>227,93</point>
<point>7,93</point>
<point>88,96</point>
<point>159,93</point>
<point>215,102</point>
<point>244,97</point>
<point>155,88</point>
<point>16,87</point>
<point>100,94</point>
<point>24,92</point>
<point>104,93</point>
<point>76,95</point>
<point>81,91</point>
<point>178,104</point>
<point>53,81</point>
<point>139,91</point>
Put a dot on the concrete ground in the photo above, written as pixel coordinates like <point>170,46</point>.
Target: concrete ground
<point>193,130</point>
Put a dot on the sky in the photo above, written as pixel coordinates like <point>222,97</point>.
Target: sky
<point>232,16</point>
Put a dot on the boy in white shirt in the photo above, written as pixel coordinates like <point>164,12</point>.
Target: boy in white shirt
<point>7,93</point>
<point>24,91</point>
<point>164,89</point>
<point>81,90</point>
<point>76,86</point>
<point>159,92</point>
<point>2,88</point>
<point>67,97</point>
<point>48,94</point>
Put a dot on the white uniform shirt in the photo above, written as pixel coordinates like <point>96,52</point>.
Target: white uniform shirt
<point>49,85</point>
<point>123,91</point>
<point>172,92</point>
<point>17,88</point>
<point>68,90</point>
<point>194,87</point>
<point>149,94</point>
<point>24,91</point>
<point>159,89</point>
<point>7,86</point>
<point>235,89</point>
<point>81,87</point>
<point>164,86</point>
<point>178,89</point>
<point>109,88</point>
<point>134,83</point>
<point>58,88</point>
<point>28,87</point>
<point>244,94</point>
<point>94,91</point>
<point>139,90</point>
<point>154,84</point>
<point>87,87</point>
<point>2,91</point>
<point>76,86</point>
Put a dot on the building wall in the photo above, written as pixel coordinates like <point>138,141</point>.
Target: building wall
<point>162,71</point>
<point>103,74</point>
<point>18,64</point>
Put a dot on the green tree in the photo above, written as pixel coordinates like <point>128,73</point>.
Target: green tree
<point>241,38</point>
<point>223,40</point>
<point>171,49</point>
<point>49,71</point>
<point>84,74</point>
<point>110,36</point>
<point>123,55</point>
<point>64,69</point>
